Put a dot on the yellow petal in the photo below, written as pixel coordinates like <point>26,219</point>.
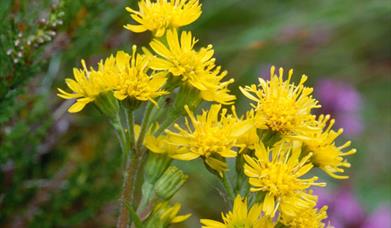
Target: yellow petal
<point>268,204</point>
<point>77,107</point>
<point>185,156</point>
<point>160,49</point>
<point>180,218</point>
<point>135,28</point>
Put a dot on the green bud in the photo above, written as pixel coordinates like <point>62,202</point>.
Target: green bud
<point>155,166</point>
<point>107,104</point>
<point>170,182</point>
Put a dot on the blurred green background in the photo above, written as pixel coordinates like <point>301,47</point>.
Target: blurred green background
<point>63,170</point>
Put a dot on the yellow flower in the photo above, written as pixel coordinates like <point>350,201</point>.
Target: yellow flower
<point>241,216</point>
<point>133,81</point>
<point>306,218</point>
<point>281,106</point>
<point>277,172</point>
<point>159,15</point>
<point>213,136</point>
<point>86,86</point>
<point>290,205</point>
<point>164,214</point>
<point>158,144</point>
<point>326,155</point>
<point>250,138</point>
<point>197,68</point>
<point>161,145</point>
<point>123,74</point>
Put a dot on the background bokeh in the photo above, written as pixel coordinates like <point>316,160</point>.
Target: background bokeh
<point>58,169</point>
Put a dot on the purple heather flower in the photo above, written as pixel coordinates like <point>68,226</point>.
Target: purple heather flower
<point>380,218</point>
<point>343,102</point>
<point>344,209</point>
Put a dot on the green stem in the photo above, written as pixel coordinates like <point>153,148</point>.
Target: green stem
<point>167,123</point>
<point>135,156</point>
<point>134,216</point>
<point>140,151</point>
<point>122,137</point>
<point>242,186</point>
<point>156,112</point>
<point>127,196</point>
<point>144,125</point>
<point>238,167</point>
<point>116,124</point>
<point>130,127</point>
<point>228,188</point>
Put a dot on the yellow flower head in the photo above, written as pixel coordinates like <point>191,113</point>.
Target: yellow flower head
<point>250,138</point>
<point>159,15</point>
<point>277,172</point>
<point>326,155</point>
<point>86,86</point>
<point>281,106</point>
<point>213,136</point>
<point>306,218</point>
<point>197,68</point>
<point>132,79</point>
<point>161,145</point>
<point>123,74</point>
<point>291,205</point>
<point>164,214</point>
<point>241,216</point>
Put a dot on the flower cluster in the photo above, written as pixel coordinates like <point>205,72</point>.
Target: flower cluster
<point>276,144</point>
<point>126,76</point>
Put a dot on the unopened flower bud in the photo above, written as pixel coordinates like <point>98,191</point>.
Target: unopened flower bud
<point>170,182</point>
<point>155,166</point>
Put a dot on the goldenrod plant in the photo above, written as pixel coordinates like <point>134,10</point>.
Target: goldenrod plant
<point>276,145</point>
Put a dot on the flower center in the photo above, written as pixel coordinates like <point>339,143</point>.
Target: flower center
<point>277,180</point>
<point>211,140</point>
<point>188,63</point>
<point>279,113</point>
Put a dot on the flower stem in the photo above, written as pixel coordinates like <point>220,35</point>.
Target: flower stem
<point>119,131</point>
<point>130,128</point>
<point>228,188</point>
<point>144,126</point>
<point>171,117</point>
<point>127,196</point>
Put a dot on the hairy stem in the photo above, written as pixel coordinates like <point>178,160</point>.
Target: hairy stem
<point>127,195</point>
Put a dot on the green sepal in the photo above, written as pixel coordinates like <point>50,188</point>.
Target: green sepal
<point>108,105</point>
